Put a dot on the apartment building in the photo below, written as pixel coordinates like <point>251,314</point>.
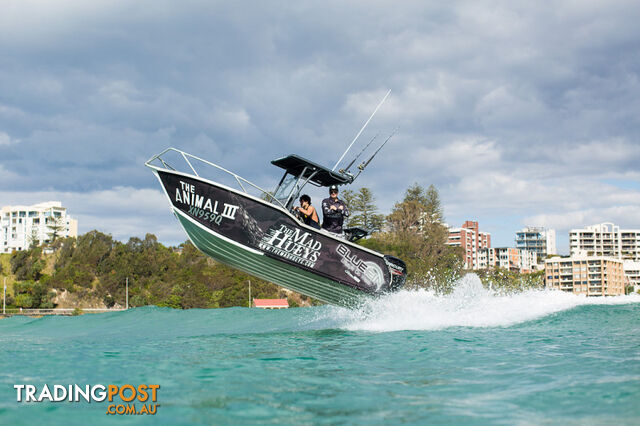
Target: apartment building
<point>589,275</point>
<point>606,239</point>
<point>632,271</point>
<point>513,259</point>
<point>20,226</point>
<point>540,240</point>
<point>469,237</point>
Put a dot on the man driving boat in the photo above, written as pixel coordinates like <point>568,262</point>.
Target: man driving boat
<point>307,212</point>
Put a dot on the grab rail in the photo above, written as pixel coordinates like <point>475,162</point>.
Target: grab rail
<point>186,156</point>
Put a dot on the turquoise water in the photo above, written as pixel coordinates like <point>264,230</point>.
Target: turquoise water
<point>472,357</point>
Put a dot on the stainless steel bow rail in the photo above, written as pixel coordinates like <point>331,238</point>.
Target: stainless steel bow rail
<point>160,162</point>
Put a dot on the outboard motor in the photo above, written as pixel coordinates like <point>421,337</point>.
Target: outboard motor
<point>398,270</point>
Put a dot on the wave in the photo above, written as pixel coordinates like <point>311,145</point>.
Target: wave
<point>469,305</point>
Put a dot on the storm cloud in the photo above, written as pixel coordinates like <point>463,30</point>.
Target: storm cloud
<point>520,114</point>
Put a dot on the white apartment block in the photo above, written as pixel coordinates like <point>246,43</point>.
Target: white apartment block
<point>22,225</point>
<point>632,271</point>
<point>540,240</point>
<point>513,259</point>
<point>606,239</point>
<point>589,275</point>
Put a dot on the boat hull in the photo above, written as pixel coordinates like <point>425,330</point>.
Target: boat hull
<point>266,241</point>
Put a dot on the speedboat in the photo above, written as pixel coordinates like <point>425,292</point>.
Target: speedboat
<point>239,224</point>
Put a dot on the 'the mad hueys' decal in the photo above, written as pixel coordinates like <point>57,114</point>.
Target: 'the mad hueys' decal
<point>293,244</point>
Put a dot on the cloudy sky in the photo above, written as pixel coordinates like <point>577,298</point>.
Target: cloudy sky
<point>519,114</point>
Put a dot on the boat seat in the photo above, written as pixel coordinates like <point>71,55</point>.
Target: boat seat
<point>354,233</point>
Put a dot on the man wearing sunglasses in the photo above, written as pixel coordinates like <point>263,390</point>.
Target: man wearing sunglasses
<point>334,211</point>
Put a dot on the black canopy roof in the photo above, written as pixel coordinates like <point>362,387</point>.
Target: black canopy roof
<point>324,177</point>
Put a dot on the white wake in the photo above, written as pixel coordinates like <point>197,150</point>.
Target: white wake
<point>469,305</point>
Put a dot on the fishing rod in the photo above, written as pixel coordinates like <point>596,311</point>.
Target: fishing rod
<point>358,156</point>
<point>364,164</point>
<point>363,127</point>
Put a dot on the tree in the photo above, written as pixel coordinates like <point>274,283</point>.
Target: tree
<point>507,281</point>
<point>417,235</point>
<point>363,211</point>
<point>34,241</point>
<point>433,211</point>
<point>416,193</point>
<point>95,265</point>
<point>267,196</point>
<point>348,197</point>
<point>405,217</point>
<point>55,226</point>
<point>419,210</point>
<point>31,294</point>
<point>27,264</point>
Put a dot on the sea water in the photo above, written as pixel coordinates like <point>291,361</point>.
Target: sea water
<point>472,357</point>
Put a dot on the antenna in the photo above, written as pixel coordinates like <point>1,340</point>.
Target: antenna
<point>363,127</point>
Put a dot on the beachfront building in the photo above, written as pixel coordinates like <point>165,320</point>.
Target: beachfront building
<point>21,226</point>
<point>540,240</point>
<point>632,272</point>
<point>606,239</point>
<point>513,259</point>
<point>469,237</point>
<point>589,275</point>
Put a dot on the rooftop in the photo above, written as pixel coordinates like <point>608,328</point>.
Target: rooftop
<point>271,303</point>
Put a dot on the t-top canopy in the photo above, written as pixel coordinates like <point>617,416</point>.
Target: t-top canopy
<point>294,165</point>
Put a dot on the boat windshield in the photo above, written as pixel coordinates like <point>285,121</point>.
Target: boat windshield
<point>284,193</point>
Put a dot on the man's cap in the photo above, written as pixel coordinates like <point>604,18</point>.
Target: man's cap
<point>333,188</point>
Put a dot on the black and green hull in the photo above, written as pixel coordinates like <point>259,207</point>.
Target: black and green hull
<point>269,269</point>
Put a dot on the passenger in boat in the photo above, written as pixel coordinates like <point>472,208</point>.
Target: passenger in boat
<point>307,212</point>
<point>334,210</point>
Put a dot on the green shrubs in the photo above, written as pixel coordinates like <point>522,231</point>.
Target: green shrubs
<point>33,295</point>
